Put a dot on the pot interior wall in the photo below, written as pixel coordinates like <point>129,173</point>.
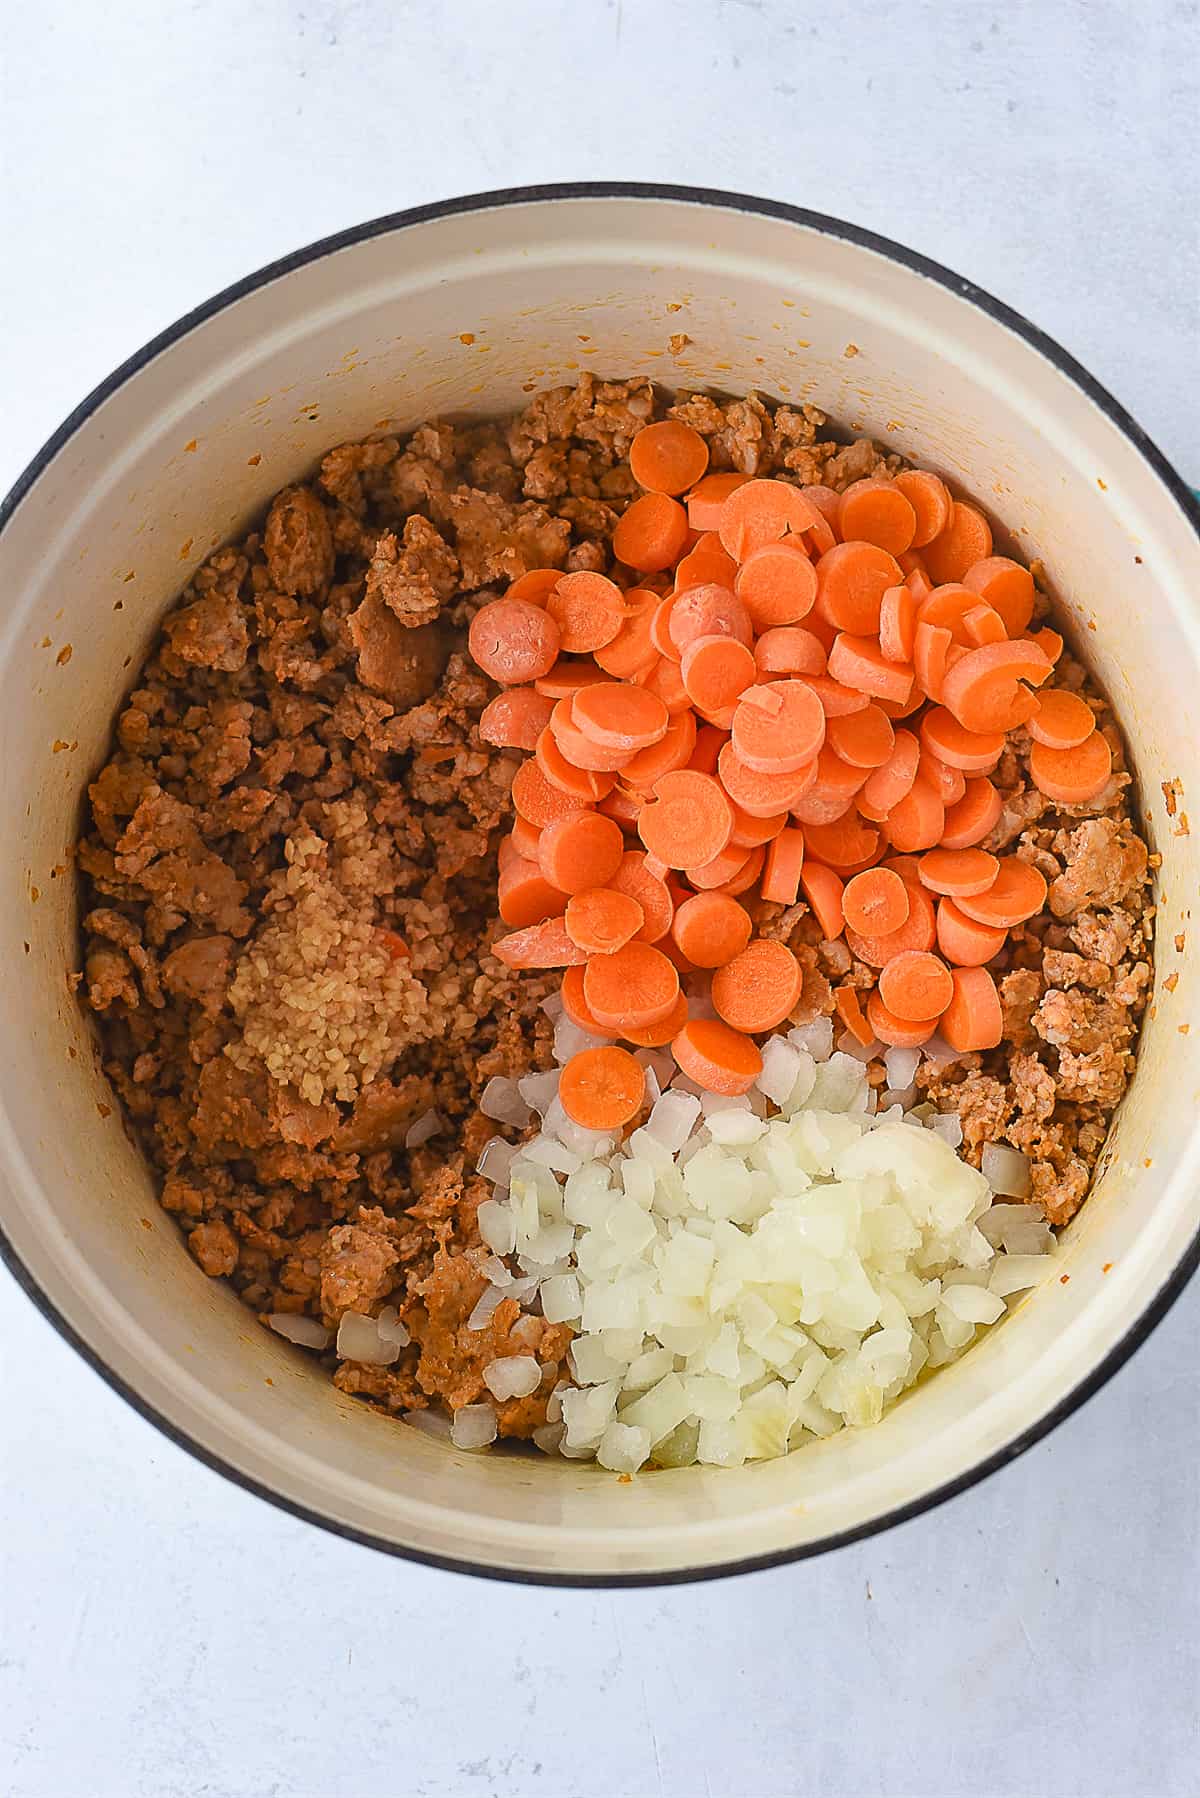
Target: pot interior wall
<point>467,315</point>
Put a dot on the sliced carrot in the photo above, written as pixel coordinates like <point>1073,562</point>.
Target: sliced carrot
<point>875,902</point>
<point>983,624</point>
<point>1007,588</point>
<point>1072,776</point>
<point>634,987</point>
<point>974,752</point>
<point>581,751</point>
<point>718,1059</point>
<point>526,896</point>
<point>906,866</point>
<point>898,1033</point>
<point>949,783</point>
<point>749,832</point>
<point>1018,892</point>
<point>602,920</point>
<point>892,710</point>
<point>974,817</point>
<point>789,649</point>
<point>689,821</point>
<point>705,565</point>
<point>711,928</point>
<point>947,607</point>
<point>955,871</point>
<point>964,941</point>
<point>525,837</point>
<point>716,672</point>
<point>918,932</point>
<point>877,511</point>
<point>539,946</point>
<point>720,871</point>
<point>837,701</point>
<point>575,1005</point>
<point>849,1009</point>
<point>673,750</point>
<point>916,822</point>
<point>539,802</point>
<point>667,457</point>
<point>651,533</point>
<point>852,579</point>
<point>706,501</point>
<point>777,584</point>
<point>762,795</point>
<point>589,610</point>
<point>827,500</point>
<point>709,743</point>
<point>665,680</point>
<point>631,649</point>
<point>916,985</point>
<point>636,879</point>
<point>888,784</point>
<point>565,679</point>
<point>864,739</point>
<point>1062,721</point>
<point>930,500</point>
<point>534,584</point>
<point>782,737</point>
<point>620,715</point>
<point>660,634</point>
<point>513,640</point>
<point>581,851</point>
<point>747,878</point>
<point>965,540</point>
<point>515,719</point>
<point>622,806</point>
<point>823,890</point>
<point>582,783</point>
<point>985,690</point>
<point>708,611</point>
<point>1048,641</point>
<point>658,1035</point>
<point>844,844</point>
<point>836,779</point>
<point>762,512</point>
<point>783,867</point>
<point>601,1089</point>
<point>931,651</point>
<point>758,988</point>
<point>859,662</point>
<point>973,1019</point>
<point>898,623</point>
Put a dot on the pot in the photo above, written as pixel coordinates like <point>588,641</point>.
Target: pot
<point>464,308</point>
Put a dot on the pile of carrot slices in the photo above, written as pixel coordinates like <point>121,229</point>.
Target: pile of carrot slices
<point>787,691</point>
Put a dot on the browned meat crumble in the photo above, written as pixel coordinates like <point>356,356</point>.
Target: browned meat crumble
<point>289,885</point>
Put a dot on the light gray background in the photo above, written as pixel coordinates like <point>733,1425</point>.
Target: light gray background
<point>161,1633</point>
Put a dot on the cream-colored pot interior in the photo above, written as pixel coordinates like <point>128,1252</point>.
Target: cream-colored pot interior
<point>467,313</point>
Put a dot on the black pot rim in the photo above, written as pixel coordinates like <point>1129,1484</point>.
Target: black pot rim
<point>918,264</point>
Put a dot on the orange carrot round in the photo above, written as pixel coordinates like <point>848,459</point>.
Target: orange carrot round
<point>601,1089</point>
<point>526,896</point>
<point>514,720</point>
<point>602,920</point>
<point>673,750</point>
<point>849,1009</point>
<point>513,640</point>
<point>777,584</point>
<point>965,942</point>
<point>984,690</point>
<point>534,584</point>
<point>898,624</point>
<point>651,533</point>
<point>948,783</point>
<point>783,867</point>
<point>581,851</point>
<point>660,1033</point>
<point>575,1005</point>
<point>1007,587</point>
<point>758,988</point>
<point>898,1033</point>
<point>1062,721</point>
<point>877,511</point>
<point>762,512</point>
<point>749,832</point>
<point>859,662</point>
<point>544,945</point>
<point>974,817</point>
<point>844,843</point>
<point>619,715</point>
<point>864,739</point>
<point>887,785</point>
<point>707,564</point>
<point>930,500</point>
<point>539,802</point>
<point>836,700</point>
<point>633,987</point>
<point>779,727</point>
<point>1072,776</point>
<point>823,890</point>
<point>916,985</point>
<point>975,752</point>
<point>957,871</point>
<point>689,821</point>
<point>720,870</point>
<point>589,610</point>
<point>667,457</point>
<point>633,877</point>
<point>631,650</point>
<point>973,1019</point>
<point>852,579</point>
<point>916,822</point>
<point>875,902</point>
<point>1017,892</point>
<point>762,795</point>
<point>965,540</point>
<point>711,928</point>
<point>716,672</point>
<point>581,783</point>
<point>718,1059</point>
<point>918,932</point>
<point>565,679</point>
<point>708,611</point>
<point>706,501</point>
<point>789,649</point>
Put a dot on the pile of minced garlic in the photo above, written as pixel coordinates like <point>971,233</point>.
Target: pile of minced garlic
<point>744,1274</point>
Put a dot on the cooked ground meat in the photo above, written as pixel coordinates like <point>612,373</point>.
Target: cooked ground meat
<point>289,884</point>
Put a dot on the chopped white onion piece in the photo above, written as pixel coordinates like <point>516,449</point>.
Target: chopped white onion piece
<point>425,1127</point>
<point>512,1376</point>
<point>359,1339</point>
<point>1006,1170</point>
<point>485,1305</point>
<point>473,1426</point>
<point>305,1331</point>
<point>501,1101</point>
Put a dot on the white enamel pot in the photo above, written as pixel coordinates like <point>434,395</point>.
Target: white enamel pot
<point>462,308</point>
